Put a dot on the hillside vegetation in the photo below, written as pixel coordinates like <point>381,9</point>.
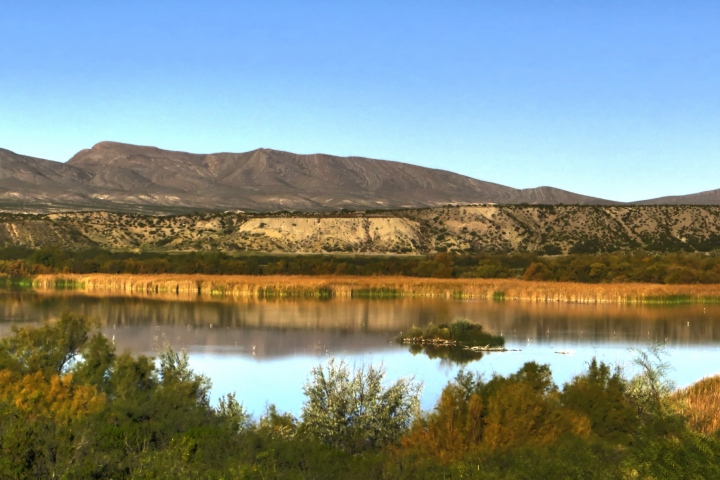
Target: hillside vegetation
<point>461,229</point>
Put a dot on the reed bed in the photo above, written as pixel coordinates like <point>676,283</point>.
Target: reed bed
<point>700,402</point>
<point>381,287</point>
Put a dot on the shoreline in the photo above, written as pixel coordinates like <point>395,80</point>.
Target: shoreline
<point>330,286</point>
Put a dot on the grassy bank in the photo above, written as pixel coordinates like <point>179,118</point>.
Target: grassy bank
<point>323,287</point>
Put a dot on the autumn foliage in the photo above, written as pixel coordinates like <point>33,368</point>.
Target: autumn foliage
<point>701,403</point>
<point>520,410</point>
<point>34,395</point>
<point>71,407</point>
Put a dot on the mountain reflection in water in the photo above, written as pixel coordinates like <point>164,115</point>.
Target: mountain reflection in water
<point>269,328</point>
<point>247,345</point>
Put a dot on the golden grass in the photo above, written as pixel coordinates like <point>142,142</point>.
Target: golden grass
<point>700,402</point>
<point>347,286</point>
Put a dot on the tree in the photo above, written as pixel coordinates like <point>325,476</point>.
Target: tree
<point>51,349</point>
<point>601,395</point>
<point>537,272</point>
<point>352,410</point>
<point>524,409</point>
<point>455,425</point>
<point>519,414</point>
<point>650,389</point>
<point>663,446</point>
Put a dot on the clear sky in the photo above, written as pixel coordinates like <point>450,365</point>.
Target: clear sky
<point>616,99</point>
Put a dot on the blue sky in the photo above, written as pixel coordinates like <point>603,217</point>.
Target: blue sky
<point>619,100</point>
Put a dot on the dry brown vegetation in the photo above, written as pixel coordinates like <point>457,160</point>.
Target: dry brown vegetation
<point>347,286</point>
<point>700,402</point>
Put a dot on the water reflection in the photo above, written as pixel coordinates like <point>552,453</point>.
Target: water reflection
<point>278,327</point>
<point>247,345</point>
<point>448,355</point>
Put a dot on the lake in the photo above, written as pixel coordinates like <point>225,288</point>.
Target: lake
<point>265,349</point>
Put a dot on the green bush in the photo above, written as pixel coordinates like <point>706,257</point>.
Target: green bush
<point>353,410</point>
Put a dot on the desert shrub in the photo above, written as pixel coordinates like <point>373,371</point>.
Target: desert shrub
<point>601,395</point>
<point>353,410</point>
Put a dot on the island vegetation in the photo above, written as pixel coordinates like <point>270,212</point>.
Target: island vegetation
<point>459,342</point>
<point>460,333</point>
<point>73,407</point>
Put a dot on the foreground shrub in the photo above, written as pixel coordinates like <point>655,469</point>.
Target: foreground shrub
<point>602,396</point>
<point>71,408</point>
<point>701,403</point>
<point>351,409</point>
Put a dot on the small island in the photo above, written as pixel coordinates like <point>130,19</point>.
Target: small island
<point>459,342</point>
<point>460,333</point>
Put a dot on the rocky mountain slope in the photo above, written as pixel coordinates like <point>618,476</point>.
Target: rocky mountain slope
<point>463,229</point>
<point>121,177</point>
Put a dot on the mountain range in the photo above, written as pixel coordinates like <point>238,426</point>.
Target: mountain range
<point>122,177</point>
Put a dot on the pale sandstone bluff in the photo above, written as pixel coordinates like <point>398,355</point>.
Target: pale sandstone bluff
<point>463,229</point>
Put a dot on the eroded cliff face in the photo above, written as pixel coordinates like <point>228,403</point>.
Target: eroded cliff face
<point>464,229</point>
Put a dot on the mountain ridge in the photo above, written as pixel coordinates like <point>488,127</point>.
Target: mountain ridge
<point>144,179</point>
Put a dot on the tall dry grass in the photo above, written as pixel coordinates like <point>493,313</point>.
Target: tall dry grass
<point>700,402</point>
<point>346,286</point>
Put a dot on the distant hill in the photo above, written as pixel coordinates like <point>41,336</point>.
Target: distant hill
<point>28,179</point>
<point>462,229</point>
<point>120,177</point>
<point>709,197</point>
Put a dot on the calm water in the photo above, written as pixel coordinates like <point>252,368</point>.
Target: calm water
<point>264,350</point>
